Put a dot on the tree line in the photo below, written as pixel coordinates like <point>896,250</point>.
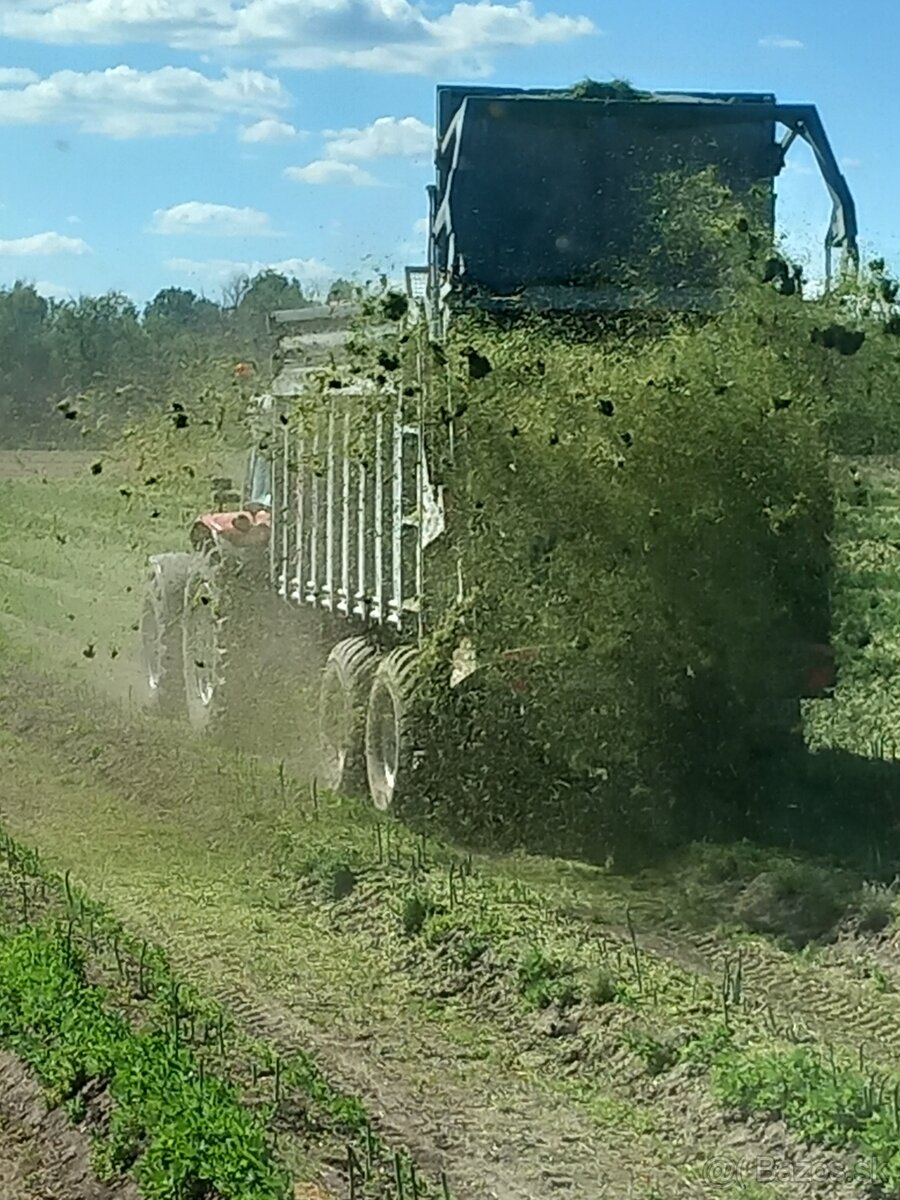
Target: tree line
<point>53,352</point>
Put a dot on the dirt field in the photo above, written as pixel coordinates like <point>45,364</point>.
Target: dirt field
<point>45,464</point>
<point>542,1029</point>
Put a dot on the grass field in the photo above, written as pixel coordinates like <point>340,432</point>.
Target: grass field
<point>532,1027</point>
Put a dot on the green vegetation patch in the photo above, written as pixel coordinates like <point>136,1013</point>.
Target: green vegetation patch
<point>196,1103</point>
<point>185,1132</point>
<point>832,1104</point>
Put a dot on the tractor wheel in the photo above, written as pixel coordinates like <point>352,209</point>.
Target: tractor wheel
<point>391,755</point>
<point>161,635</point>
<point>342,715</point>
<point>214,646</point>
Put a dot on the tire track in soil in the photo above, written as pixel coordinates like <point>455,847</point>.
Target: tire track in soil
<point>756,1152</point>
<point>497,1137</point>
<point>445,1125</point>
<point>496,1141</point>
<point>511,1144</point>
<point>705,1151</point>
<point>842,1010</point>
<point>514,1143</point>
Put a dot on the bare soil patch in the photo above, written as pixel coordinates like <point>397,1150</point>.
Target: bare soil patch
<point>43,1156</point>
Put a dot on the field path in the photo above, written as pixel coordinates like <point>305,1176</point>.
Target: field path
<point>463,1093</point>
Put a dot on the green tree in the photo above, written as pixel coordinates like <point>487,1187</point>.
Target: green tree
<point>97,338</point>
<point>264,293</point>
<point>28,377</point>
<point>342,290</point>
<point>270,290</point>
<point>181,308</point>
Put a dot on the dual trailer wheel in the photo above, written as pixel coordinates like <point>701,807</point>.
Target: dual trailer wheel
<point>364,728</point>
<point>364,697</point>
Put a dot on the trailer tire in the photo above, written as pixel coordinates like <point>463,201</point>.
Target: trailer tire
<point>391,753</point>
<point>162,611</point>
<point>343,692</point>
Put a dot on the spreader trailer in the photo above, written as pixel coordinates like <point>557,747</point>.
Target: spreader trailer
<point>343,522</point>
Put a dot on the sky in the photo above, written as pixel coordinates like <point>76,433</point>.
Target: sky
<point>152,143</point>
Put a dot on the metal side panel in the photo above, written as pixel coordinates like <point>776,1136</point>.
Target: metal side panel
<point>363,491</point>
<point>343,599</point>
<point>377,610</point>
<point>395,603</point>
<point>301,517</point>
<point>284,507</point>
<point>274,566</point>
<point>327,598</point>
<point>360,519</point>
<point>421,492</point>
<point>313,488</point>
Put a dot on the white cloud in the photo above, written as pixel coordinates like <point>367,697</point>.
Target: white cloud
<point>327,171</point>
<point>53,291</point>
<point>851,163</point>
<point>776,42</point>
<point>16,76</point>
<point>111,22</point>
<point>385,35</point>
<point>420,229</point>
<point>270,130</point>
<point>123,102</point>
<point>310,271</point>
<point>42,244</point>
<point>195,216</point>
<point>386,137</point>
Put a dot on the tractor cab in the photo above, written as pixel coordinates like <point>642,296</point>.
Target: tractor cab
<point>258,489</point>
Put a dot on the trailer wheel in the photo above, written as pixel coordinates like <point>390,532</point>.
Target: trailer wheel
<point>342,714</point>
<point>391,756</point>
<point>162,670</point>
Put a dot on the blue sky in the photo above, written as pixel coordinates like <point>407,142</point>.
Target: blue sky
<point>157,142</point>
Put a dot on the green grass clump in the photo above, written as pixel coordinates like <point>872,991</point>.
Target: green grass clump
<point>463,939</point>
<point>875,908</point>
<point>659,1054</point>
<point>333,870</point>
<point>415,910</point>
<point>603,987</point>
<point>797,901</point>
<point>182,1132</point>
<point>707,1045</point>
<point>543,980</point>
<point>833,1105</point>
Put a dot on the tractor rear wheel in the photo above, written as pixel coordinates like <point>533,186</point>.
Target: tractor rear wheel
<point>228,628</point>
<point>204,645</point>
<point>342,714</point>
<point>391,753</point>
<point>162,671</point>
